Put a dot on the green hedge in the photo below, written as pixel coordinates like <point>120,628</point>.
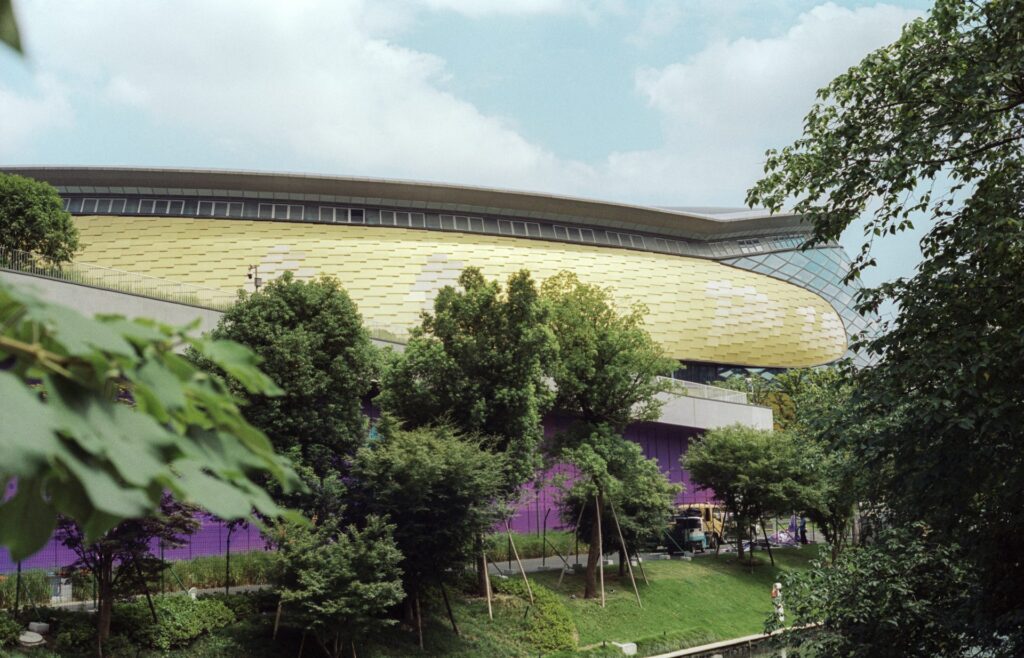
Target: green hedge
<point>179,620</point>
<point>35,588</point>
<point>551,627</point>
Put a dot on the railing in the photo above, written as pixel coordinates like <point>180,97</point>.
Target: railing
<point>131,283</point>
<point>708,392</point>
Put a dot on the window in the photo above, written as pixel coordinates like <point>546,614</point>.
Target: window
<point>625,239</point>
<point>507,227</point>
<point>67,204</point>
<point>103,205</point>
<point>161,207</point>
<point>751,246</point>
<point>574,234</point>
<point>342,215</point>
<point>462,223</point>
<point>281,211</point>
<point>220,208</point>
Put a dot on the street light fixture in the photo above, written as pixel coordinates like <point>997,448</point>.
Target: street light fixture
<point>254,274</point>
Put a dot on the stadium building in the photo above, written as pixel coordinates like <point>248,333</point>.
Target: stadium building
<point>728,290</point>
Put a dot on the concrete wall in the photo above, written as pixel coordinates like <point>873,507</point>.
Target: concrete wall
<point>90,301</point>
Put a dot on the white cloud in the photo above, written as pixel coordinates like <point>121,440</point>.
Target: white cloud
<point>27,116</point>
<point>327,84</point>
<point>723,107</point>
<point>478,8</point>
<point>318,80</point>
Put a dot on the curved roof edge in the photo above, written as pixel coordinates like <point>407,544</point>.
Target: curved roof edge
<point>702,223</point>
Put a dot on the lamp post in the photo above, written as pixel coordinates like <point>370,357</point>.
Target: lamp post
<point>254,274</point>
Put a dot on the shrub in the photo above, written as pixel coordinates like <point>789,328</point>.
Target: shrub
<point>9,630</point>
<point>244,606</point>
<point>179,620</point>
<point>35,588</point>
<point>550,624</point>
<point>73,637</point>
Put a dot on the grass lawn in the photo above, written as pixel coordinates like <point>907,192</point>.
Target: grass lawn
<point>686,604</point>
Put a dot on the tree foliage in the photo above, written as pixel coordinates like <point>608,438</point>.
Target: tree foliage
<point>341,581</point>
<point>77,450</point>
<point>33,219</point>
<point>608,366</point>
<point>932,126</point>
<point>606,377</point>
<point>632,485</point>
<point>311,340</point>
<point>436,487</point>
<point>754,473</point>
<point>907,594</point>
<point>121,559</point>
<point>9,26</point>
<point>477,363</point>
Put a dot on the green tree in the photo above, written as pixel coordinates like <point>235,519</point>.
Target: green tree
<point>477,363</point>
<point>75,449</point>
<point>640,494</point>
<point>33,219</point>
<point>755,473</point>
<point>122,560</point>
<point>606,376</point>
<point>311,340</point>
<point>907,594</point>
<point>437,488</point>
<point>932,127</point>
<point>9,26</point>
<point>342,582</point>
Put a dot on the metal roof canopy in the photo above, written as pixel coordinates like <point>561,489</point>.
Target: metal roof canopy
<point>701,224</point>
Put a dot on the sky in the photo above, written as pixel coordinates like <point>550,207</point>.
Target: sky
<point>659,102</point>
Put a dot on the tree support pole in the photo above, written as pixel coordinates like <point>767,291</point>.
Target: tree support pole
<point>600,544</point>
<point>419,619</point>
<point>487,587</point>
<point>277,619</point>
<point>448,606</point>
<point>145,589</point>
<point>625,551</point>
<point>522,570</point>
<point>767,544</point>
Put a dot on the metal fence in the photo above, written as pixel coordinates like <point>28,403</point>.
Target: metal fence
<point>201,560</point>
<point>708,392</point>
<point>130,283</point>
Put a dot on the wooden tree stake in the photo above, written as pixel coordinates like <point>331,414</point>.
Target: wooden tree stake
<point>625,551</point>
<point>487,587</point>
<point>522,570</point>
<point>277,619</point>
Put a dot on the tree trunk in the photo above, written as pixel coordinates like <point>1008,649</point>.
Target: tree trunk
<point>739,539</point>
<point>622,563</point>
<point>481,568</point>
<point>105,585</point>
<point>594,554</point>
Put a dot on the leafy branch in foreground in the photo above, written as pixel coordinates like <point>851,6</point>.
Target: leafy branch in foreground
<point>75,448</point>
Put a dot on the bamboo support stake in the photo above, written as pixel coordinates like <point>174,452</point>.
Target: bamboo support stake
<point>277,620</point>
<point>486,585</point>
<point>625,551</point>
<point>522,570</point>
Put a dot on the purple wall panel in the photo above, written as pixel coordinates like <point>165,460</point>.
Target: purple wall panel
<point>538,507</point>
